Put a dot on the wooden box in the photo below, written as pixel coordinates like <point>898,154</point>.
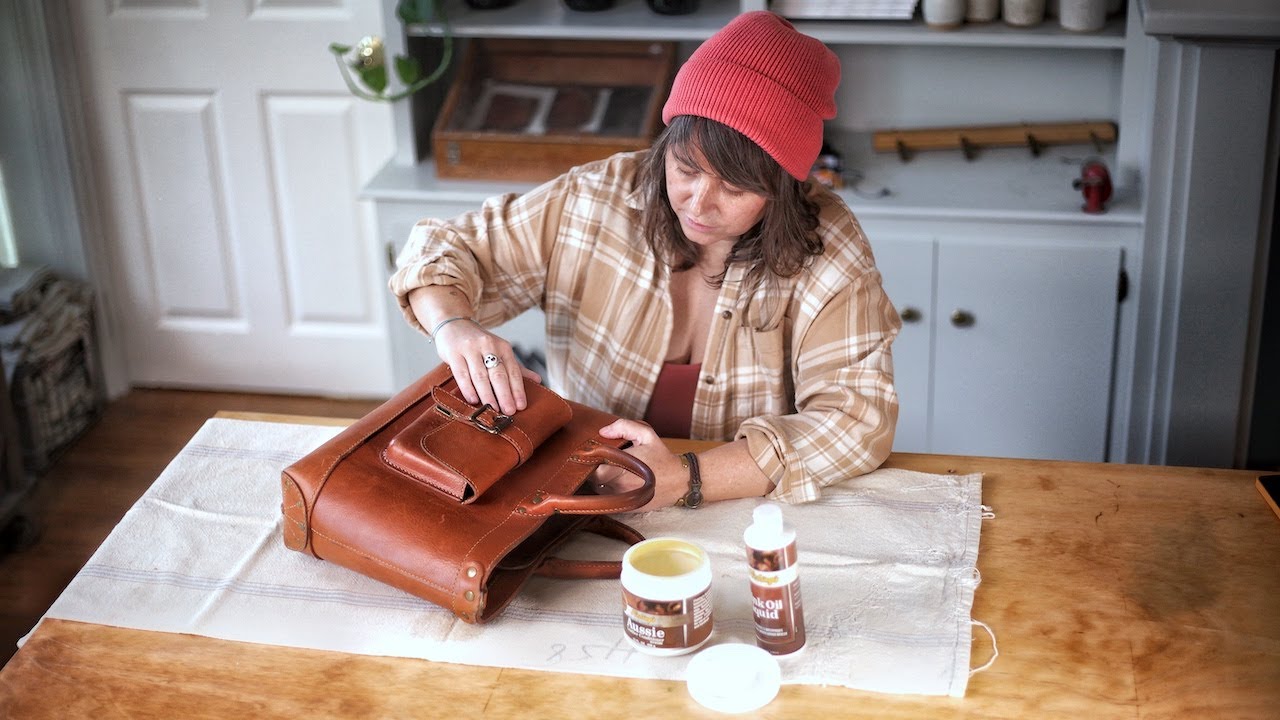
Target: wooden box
<point>531,109</point>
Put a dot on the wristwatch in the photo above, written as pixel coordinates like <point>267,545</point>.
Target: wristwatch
<point>693,498</point>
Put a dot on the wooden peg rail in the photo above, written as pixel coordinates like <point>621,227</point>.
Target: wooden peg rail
<point>970,139</point>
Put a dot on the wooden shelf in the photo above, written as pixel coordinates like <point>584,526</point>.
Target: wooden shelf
<point>633,20</point>
<point>1001,185</point>
<point>993,34</point>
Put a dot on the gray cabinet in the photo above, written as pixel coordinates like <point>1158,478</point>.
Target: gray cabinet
<point>1007,346</point>
<point>907,265</point>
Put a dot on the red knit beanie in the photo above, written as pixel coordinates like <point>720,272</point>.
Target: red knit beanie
<point>763,78</point>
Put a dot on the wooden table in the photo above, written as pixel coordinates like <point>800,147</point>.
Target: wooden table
<point>1115,591</point>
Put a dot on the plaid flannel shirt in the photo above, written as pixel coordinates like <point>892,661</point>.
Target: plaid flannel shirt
<point>802,370</point>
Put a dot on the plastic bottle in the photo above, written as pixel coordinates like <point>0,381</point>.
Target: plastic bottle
<point>775,581</point>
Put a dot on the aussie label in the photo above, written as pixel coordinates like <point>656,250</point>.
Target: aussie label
<point>775,599</point>
<point>668,624</point>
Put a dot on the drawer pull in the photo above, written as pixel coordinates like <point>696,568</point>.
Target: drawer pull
<point>962,318</point>
<point>911,315</point>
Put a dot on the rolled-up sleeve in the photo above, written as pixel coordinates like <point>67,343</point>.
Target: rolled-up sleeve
<point>495,255</point>
<point>845,402</point>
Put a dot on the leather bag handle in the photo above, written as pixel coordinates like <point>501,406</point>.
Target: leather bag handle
<point>604,526</point>
<point>595,453</point>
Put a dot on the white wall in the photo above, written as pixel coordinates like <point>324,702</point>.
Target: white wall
<point>919,86</point>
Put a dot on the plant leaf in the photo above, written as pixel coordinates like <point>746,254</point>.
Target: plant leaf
<point>339,48</point>
<point>375,78</point>
<point>407,11</point>
<point>408,69</point>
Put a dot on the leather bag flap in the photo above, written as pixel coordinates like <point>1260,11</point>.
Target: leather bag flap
<point>462,450</point>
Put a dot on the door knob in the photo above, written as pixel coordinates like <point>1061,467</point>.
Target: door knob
<point>962,318</point>
<point>910,315</point>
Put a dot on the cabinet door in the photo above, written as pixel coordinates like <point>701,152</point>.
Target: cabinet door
<point>1024,349</point>
<point>906,263</point>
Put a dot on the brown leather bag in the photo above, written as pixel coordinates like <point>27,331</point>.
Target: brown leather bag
<point>459,504</point>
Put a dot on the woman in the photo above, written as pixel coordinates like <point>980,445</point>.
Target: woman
<point>701,288</point>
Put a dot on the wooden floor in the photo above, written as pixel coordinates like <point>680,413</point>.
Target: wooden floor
<point>82,497</point>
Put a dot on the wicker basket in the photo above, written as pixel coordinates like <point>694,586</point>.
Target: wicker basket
<point>46,339</point>
<point>55,403</point>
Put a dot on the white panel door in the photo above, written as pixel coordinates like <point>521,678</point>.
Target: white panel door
<point>906,264</point>
<point>1024,349</point>
<point>231,156</point>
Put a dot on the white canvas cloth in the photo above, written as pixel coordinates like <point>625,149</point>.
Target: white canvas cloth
<point>887,565</point>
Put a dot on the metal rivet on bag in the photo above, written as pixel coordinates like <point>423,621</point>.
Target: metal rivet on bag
<point>469,596</point>
<point>537,499</point>
<point>472,572</point>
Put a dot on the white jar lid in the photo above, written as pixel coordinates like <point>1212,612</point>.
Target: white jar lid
<point>733,678</point>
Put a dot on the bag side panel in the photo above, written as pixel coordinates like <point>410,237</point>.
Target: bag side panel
<point>302,482</point>
<point>293,507</point>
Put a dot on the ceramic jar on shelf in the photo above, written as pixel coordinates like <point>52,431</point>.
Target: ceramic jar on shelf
<point>588,5</point>
<point>1023,13</point>
<point>1084,16</point>
<point>673,7</point>
<point>981,10</point>
<point>943,14</point>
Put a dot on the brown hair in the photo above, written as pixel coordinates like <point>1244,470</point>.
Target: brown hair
<point>778,246</point>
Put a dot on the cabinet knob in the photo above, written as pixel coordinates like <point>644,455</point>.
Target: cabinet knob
<point>911,315</point>
<point>962,318</point>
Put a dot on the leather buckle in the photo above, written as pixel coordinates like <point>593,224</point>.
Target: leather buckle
<point>499,423</point>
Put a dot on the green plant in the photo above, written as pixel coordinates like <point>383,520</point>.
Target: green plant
<point>364,67</point>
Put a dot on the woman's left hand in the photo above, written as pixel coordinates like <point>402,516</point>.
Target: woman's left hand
<point>670,476</point>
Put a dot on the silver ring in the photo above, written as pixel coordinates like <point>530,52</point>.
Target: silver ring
<point>491,361</point>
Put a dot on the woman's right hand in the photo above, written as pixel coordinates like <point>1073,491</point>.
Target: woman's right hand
<point>498,382</point>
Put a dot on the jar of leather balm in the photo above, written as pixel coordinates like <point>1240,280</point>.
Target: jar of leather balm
<point>666,588</point>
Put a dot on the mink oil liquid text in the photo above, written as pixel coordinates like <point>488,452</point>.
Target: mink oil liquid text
<point>775,582</point>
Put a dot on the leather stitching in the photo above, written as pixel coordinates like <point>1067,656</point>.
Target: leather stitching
<point>420,478</point>
<point>355,445</point>
<point>383,563</point>
<point>422,442</point>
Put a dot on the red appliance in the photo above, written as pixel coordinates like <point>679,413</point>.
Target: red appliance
<point>1095,183</point>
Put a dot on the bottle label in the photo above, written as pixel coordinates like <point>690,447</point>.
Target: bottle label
<point>775,599</point>
<point>668,624</point>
